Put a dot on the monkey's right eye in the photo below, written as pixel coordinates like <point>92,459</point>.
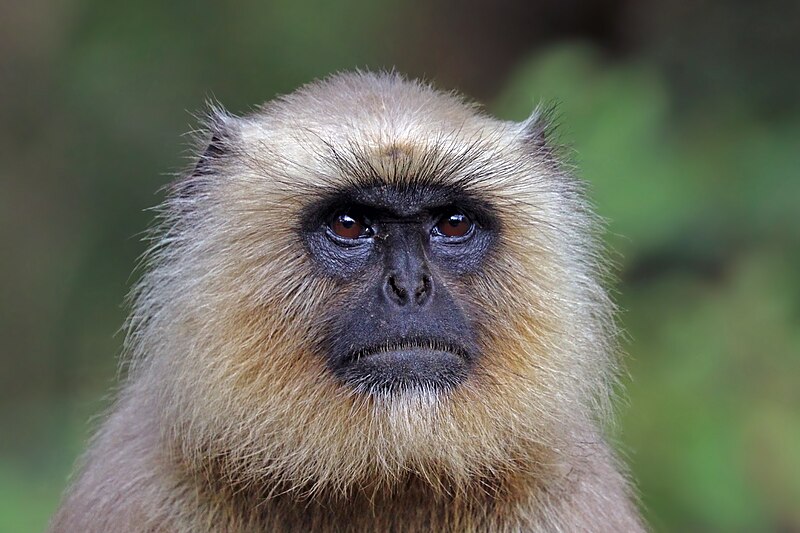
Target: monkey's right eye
<point>350,227</point>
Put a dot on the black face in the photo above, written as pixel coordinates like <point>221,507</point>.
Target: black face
<point>400,256</point>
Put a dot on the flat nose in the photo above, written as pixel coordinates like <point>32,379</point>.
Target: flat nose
<point>404,288</point>
<point>407,279</point>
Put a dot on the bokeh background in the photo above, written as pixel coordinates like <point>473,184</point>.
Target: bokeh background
<point>684,117</point>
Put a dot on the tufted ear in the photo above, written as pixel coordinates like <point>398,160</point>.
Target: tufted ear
<point>213,152</point>
<point>537,130</point>
<point>215,141</point>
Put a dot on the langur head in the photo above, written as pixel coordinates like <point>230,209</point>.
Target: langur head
<point>367,280</point>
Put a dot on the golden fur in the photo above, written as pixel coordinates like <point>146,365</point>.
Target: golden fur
<point>229,419</point>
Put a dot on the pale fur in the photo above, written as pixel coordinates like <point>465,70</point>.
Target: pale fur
<point>229,420</point>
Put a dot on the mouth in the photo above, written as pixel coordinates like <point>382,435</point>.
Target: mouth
<point>406,364</point>
<point>390,349</point>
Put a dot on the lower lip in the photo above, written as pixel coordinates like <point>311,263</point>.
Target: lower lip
<point>413,354</point>
<point>406,352</point>
<point>406,367</point>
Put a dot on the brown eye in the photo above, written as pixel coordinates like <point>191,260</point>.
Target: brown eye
<point>454,225</point>
<point>350,227</point>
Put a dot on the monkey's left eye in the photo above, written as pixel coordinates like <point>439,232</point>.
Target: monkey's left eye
<point>454,225</point>
<point>350,227</point>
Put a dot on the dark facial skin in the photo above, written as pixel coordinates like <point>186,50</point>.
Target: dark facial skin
<point>400,256</point>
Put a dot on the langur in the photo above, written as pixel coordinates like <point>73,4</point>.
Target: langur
<point>369,306</point>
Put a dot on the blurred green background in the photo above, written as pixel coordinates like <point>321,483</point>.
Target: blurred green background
<point>683,116</point>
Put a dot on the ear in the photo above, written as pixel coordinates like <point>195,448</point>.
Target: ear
<point>215,149</point>
<point>216,140</point>
<point>537,130</point>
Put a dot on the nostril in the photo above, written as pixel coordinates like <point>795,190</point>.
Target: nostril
<point>400,293</point>
<point>423,289</point>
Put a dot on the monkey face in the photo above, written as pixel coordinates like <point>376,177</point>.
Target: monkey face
<point>372,251</point>
<point>399,254</point>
